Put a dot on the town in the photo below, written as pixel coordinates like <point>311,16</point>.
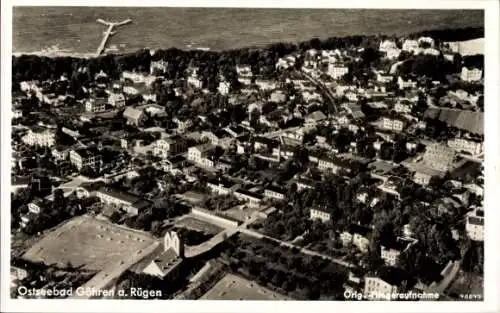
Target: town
<point>290,172</point>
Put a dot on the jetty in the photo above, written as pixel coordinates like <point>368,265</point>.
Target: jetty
<point>108,33</point>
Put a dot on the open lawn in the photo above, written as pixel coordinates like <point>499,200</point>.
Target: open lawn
<point>232,287</point>
<point>88,243</point>
<point>193,223</point>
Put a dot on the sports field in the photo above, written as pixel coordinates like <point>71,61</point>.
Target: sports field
<point>193,223</point>
<point>232,287</point>
<point>88,243</point>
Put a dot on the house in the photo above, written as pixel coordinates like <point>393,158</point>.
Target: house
<point>336,70</point>
<point>101,79</point>
<point>35,206</point>
<point>85,157</point>
<point>426,41</point>
<point>387,284</point>
<point>315,118</point>
<point>474,147</point>
<point>195,81</point>
<point>158,67</point>
<point>252,198</point>
<point>386,45</point>
<point>167,265</point>
<point>138,78</point>
<point>197,153</point>
<point>244,70</point>
<point>410,45</point>
<point>475,225</point>
<point>182,124</point>
<point>220,186</point>
<point>132,204</point>
<point>224,88</point>
<point>391,251</point>
<point>471,75</point>
<point>322,214</point>
<point>116,99</point>
<point>277,97</point>
<point>393,124</point>
<point>405,84</point>
<point>96,105</point>
<point>274,192</point>
<point>357,235</point>
<point>134,116</point>
<point>169,146</point>
<point>265,84</point>
<point>403,107</point>
<point>216,138</point>
<point>40,136</point>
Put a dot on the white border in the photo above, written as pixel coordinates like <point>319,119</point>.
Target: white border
<point>492,131</point>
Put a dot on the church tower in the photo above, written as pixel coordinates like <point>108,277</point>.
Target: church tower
<point>173,241</point>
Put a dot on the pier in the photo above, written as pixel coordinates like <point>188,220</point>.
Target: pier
<point>109,32</point>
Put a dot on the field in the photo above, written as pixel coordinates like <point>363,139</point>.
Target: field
<point>190,222</point>
<point>75,29</point>
<point>239,214</point>
<point>232,287</point>
<point>88,243</point>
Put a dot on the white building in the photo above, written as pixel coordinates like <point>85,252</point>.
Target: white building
<point>462,144</point>
<point>337,70</point>
<point>393,124</point>
<point>427,40</point>
<point>475,225</point>
<point>470,75</point>
<point>410,45</point>
<point>40,137</point>
<point>158,66</point>
<point>320,214</point>
<point>390,253</point>
<point>95,105</point>
<point>116,100</point>
<point>82,158</point>
<point>224,88</point>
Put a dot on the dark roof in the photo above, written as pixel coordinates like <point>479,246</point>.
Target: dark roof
<point>393,276</point>
<point>87,152</point>
<point>358,229</point>
<point>125,196</point>
<point>249,193</point>
<point>167,260</point>
<point>398,245</point>
<point>20,180</point>
<point>277,189</point>
<point>476,220</point>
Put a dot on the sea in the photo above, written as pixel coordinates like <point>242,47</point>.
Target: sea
<point>75,30</point>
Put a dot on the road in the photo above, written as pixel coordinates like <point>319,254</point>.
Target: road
<point>446,281</point>
<point>229,231</point>
<point>319,84</point>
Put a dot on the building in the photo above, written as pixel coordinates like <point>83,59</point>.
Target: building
<point>40,137</point>
<point>405,84</point>
<point>130,203</point>
<point>410,45</point>
<point>158,67</point>
<point>389,282</point>
<point>390,252</point>
<point>424,174</point>
<point>357,235</point>
<point>244,70</point>
<point>315,117</point>
<point>422,41</point>
<point>220,186</point>
<point>195,82</point>
<point>134,116</point>
<point>386,45</point>
<point>274,192</point>
<point>320,213</point>
<point>439,157</point>
<point>85,157</point>
<point>116,99</point>
<point>337,70</point>
<point>475,225</point>
<point>96,105</point>
<point>393,124</point>
<point>197,153</point>
<point>167,265</point>
<point>169,146</point>
<point>474,147</point>
<point>471,75</point>
<point>253,199</point>
<point>224,88</point>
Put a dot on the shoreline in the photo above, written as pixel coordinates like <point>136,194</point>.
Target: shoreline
<point>55,54</point>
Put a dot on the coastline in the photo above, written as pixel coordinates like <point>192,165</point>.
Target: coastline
<point>55,54</point>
